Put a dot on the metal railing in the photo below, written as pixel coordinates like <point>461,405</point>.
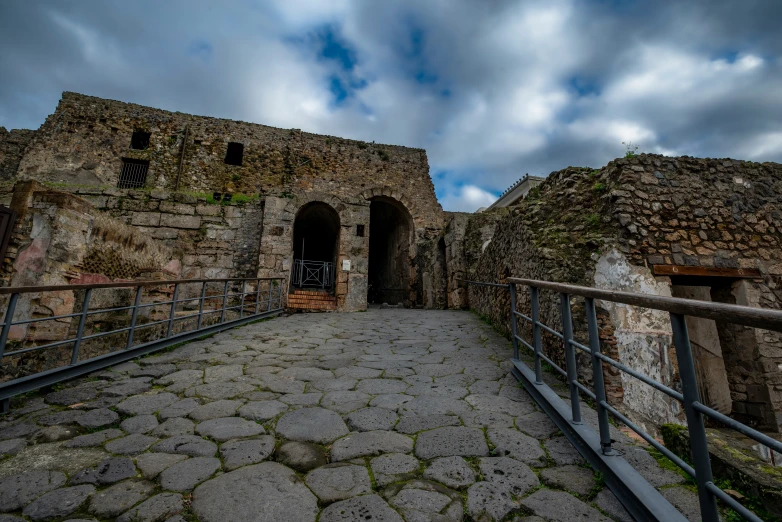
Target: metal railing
<point>205,306</point>
<point>312,274</point>
<point>638,497</point>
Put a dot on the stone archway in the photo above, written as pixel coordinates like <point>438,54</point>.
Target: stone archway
<point>316,230</point>
<point>391,233</point>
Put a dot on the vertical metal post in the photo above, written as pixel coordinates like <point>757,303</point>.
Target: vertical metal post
<point>134,317</point>
<point>257,295</point>
<point>270,295</point>
<point>225,300</point>
<point>241,299</point>
<point>7,322</point>
<point>279,300</point>
<point>570,357</point>
<point>173,311</point>
<point>537,339</point>
<point>5,406</point>
<point>513,326</point>
<point>698,443</point>
<point>201,305</point>
<point>597,376</point>
<point>80,332</point>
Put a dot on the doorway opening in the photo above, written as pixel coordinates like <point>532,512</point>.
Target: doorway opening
<point>315,246</point>
<point>390,227</point>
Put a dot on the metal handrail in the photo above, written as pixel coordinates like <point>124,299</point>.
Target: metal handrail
<point>678,308</point>
<point>250,307</point>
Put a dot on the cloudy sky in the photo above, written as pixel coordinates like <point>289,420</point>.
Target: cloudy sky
<point>492,89</point>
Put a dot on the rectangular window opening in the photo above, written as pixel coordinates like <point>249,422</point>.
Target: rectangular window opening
<point>360,230</point>
<point>133,173</point>
<point>139,140</point>
<point>233,155</point>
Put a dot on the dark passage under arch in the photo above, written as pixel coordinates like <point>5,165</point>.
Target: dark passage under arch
<point>389,252</point>
<point>315,240</point>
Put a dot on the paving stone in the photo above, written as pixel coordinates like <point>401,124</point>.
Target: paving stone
<point>317,425</point>
<point>500,405</point>
<point>512,443</point>
<point>159,507</point>
<point>58,503</point>
<point>327,385</point>
<point>118,498</point>
<point>243,452</point>
<point>420,504</point>
<point>16,491</point>
<point>648,468</point>
<point>434,405</point>
<point>451,441</point>
<point>489,501</point>
<point>488,373</point>
<point>219,390</point>
<point>71,396</point>
<point>381,386</point>
<point>301,456</point>
<point>485,387</point>
<point>128,387</point>
<point>509,473</point>
<point>186,445</point>
<point>11,447</point>
<point>18,431</point>
<point>370,443</point>
<point>215,410</point>
<point>60,417</point>
<point>281,385</point>
<point>134,443</point>
<point>222,373</point>
<point>571,478</point>
<point>397,372</point>
<point>563,452</point>
<point>156,371</point>
<point>139,424</point>
<point>229,428</point>
<point>685,500</point>
<point>97,418</point>
<point>173,427</point>
<point>438,370</point>
<point>93,439</point>
<point>344,401</point>
<point>302,399</point>
<point>370,419</point>
<point>305,374</point>
<point>358,372</point>
<point>262,411</point>
<point>414,423</point>
<point>179,409</point>
<point>606,501</point>
<point>487,419</point>
<point>338,481</point>
<point>146,404</point>
<point>537,424</point>
<point>152,464</point>
<point>558,505</point>
<point>55,434</point>
<point>453,472</point>
<point>182,376</point>
<point>185,475</point>
<point>366,507</point>
<point>454,392</point>
<point>109,471</point>
<point>394,467</point>
<point>392,401</point>
<point>266,492</point>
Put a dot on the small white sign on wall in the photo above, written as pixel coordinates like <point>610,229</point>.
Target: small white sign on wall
<point>346,265</point>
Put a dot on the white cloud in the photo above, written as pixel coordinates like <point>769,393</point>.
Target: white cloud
<point>467,198</point>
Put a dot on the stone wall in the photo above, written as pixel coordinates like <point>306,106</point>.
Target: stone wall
<point>84,142</point>
<point>609,227</point>
<point>12,148</point>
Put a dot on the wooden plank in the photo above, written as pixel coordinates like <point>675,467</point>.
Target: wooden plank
<point>706,271</point>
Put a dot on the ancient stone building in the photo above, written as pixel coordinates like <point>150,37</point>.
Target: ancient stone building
<point>704,229</point>
<point>343,217</point>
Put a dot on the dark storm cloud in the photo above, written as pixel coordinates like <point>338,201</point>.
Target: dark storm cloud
<point>491,89</point>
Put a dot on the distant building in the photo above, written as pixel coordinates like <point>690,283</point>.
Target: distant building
<point>517,191</point>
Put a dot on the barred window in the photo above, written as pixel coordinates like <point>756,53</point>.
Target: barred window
<point>140,140</point>
<point>133,174</point>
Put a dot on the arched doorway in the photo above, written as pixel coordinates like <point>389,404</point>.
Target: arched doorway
<point>315,246</point>
<point>390,227</point>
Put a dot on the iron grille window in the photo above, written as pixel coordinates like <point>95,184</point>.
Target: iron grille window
<point>233,155</point>
<point>133,174</point>
<point>140,140</point>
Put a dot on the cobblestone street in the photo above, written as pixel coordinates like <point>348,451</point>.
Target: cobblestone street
<point>387,415</point>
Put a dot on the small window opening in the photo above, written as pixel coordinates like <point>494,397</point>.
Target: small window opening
<point>360,230</point>
<point>233,155</point>
<point>133,173</point>
<point>139,140</point>
<point>197,142</point>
